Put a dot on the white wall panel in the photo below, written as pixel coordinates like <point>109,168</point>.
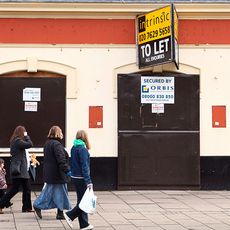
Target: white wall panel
<point>95,86</point>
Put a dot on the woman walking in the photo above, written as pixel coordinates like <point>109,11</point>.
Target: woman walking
<point>19,142</point>
<point>55,172</point>
<point>80,174</point>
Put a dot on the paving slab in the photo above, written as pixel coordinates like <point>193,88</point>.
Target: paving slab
<point>134,210</point>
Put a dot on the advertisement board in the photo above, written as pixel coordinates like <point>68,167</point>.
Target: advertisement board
<point>157,34</point>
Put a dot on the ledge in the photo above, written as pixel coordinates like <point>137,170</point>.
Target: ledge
<point>108,10</point>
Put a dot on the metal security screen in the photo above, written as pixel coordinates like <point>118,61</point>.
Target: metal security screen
<point>158,149</point>
<point>37,116</point>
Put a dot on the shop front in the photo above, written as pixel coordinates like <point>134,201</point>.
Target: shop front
<point>75,64</point>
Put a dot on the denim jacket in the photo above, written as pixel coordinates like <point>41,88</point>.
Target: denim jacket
<point>80,163</point>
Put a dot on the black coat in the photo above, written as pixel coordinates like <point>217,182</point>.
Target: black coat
<point>18,153</point>
<point>56,163</point>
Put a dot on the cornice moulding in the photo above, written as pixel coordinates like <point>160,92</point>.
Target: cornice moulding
<point>109,10</point>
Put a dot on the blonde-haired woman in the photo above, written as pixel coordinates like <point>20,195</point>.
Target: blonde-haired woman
<point>55,174</point>
<point>80,174</point>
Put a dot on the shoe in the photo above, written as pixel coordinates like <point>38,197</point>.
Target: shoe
<point>60,216</point>
<point>38,212</point>
<point>1,212</point>
<point>68,220</point>
<point>9,204</point>
<point>28,210</point>
<point>89,227</point>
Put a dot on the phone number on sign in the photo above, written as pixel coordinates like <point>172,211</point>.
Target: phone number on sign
<point>159,96</point>
<point>154,34</point>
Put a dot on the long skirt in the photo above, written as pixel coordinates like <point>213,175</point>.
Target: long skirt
<point>53,196</point>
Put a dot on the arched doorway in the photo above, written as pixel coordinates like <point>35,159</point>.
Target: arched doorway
<point>35,100</point>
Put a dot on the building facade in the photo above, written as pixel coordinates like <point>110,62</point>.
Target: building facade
<point>80,58</point>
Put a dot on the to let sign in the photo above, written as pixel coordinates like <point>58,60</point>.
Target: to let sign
<point>157,34</point>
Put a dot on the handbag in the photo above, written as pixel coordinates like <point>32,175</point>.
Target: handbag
<point>88,201</point>
<point>32,165</point>
<point>15,168</point>
<point>32,172</point>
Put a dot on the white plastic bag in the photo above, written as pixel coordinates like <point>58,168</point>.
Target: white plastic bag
<point>88,201</point>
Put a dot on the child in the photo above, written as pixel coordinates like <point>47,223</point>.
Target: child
<point>3,185</point>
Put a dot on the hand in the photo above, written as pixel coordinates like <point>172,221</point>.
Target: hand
<point>90,186</point>
<point>69,173</point>
<point>25,133</point>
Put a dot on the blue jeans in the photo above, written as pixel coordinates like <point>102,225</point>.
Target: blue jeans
<point>80,188</point>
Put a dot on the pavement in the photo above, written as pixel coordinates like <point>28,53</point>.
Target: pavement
<point>130,210</point>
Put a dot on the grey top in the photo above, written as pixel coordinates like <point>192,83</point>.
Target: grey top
<point>18,153</point>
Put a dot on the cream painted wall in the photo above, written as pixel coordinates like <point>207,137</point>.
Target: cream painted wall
<point>95,86</point>
<point>214,90</point>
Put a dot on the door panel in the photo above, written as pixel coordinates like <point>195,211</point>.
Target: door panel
<point>50,109</point>
<point>183,115</point>
<point>158,159</point>
<point>158,150</point>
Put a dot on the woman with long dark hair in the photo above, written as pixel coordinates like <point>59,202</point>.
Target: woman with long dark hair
<point>19,142</point>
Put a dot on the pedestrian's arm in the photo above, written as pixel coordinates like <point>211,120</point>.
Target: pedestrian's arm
<point>25,143</point>
<point>61,157</point>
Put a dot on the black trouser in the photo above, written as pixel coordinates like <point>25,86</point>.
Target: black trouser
<point>80,188</point>
<point>2,193</point>
<point>26,193</point>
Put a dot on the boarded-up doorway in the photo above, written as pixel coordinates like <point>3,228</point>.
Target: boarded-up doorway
<point>158,150</point>
<point>49,110</point>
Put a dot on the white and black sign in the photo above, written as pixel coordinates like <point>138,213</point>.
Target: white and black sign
<point>157,90</point>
